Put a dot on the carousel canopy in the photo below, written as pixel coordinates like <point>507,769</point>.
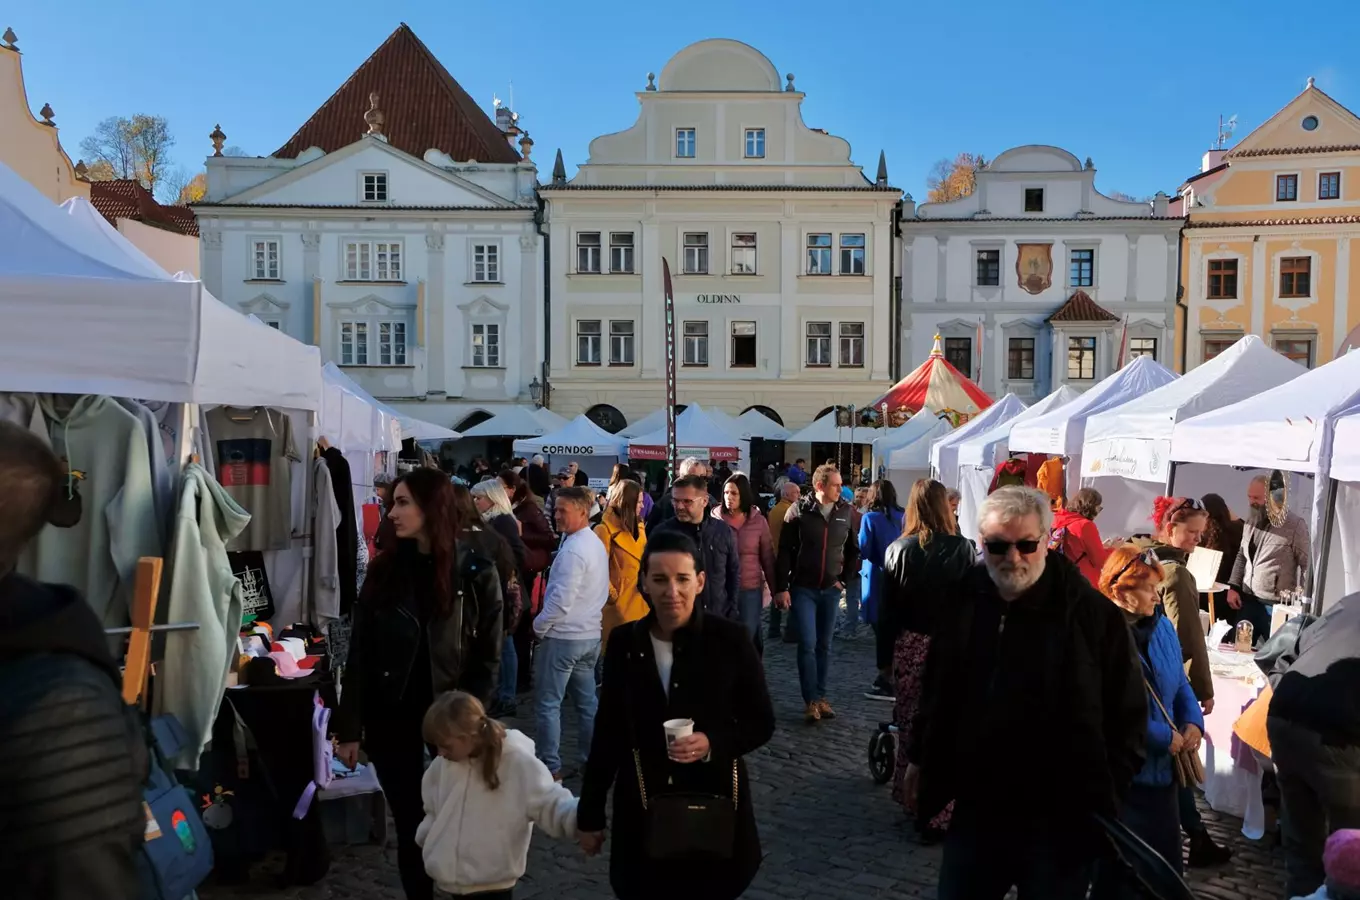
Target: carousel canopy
<point>937,386</point>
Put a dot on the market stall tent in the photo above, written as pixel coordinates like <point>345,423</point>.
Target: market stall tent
<point>756,424</point>
<point>696,434</point>
<point>909,459</point>
<point>579,437</point>
<point>825,431</point>
<point>937,386</point>
<point>1343,552</point>
<point>647,424</point>
<point>409,426</point>
<point>515,422</point>
<point>944,455</point>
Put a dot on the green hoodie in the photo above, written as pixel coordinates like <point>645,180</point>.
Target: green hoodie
<point>104,445</point>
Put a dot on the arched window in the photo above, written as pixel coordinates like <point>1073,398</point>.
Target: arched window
<point>472,420</point>
<point>607,417</point>
<point>766,412</point>
<point>829,409</point>
<point>681,407</point>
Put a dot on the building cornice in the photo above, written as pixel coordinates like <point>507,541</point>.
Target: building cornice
<point>651,189</point>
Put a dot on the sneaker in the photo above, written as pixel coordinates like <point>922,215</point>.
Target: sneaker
<point>813,712</point>
<point>881,692</point>
<point>1204,852</point>
<point>826,710</point>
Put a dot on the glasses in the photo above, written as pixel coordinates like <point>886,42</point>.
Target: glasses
<point>1001,548</point>
<point>1147,558</point>
<point>1189,503</point>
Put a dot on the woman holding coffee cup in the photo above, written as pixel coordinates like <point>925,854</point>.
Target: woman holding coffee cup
<point>683,700</point>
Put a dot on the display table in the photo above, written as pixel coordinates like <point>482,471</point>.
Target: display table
<point>1232,773</point>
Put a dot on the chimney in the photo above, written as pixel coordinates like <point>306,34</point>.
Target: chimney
<point>1212,158</point>
<point>508,122</point>
<point>1160,204</point>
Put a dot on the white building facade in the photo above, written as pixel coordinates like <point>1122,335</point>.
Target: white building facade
<point>780,251</point>
<point>409,253</point>
<point>1031,280</point>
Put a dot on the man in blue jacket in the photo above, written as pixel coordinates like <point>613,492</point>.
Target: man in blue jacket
<point>689,495</point>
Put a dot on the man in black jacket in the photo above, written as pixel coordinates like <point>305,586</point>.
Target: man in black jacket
<point>714,537</point>
<point>664,509</point>
<point>1314,729</point>
<point>71,757</point>
<point>1032,718</point>
<point>818,555</point>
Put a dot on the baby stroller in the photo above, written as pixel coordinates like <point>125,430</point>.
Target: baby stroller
<point>883,753</point>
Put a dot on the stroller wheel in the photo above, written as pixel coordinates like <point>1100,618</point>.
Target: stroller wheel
<point>882,756</point>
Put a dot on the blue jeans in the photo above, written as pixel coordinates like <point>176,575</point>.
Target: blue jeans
<point>815,611</point>
<point>564,667</point>
<point>509,671</point>
<point>749,604</point>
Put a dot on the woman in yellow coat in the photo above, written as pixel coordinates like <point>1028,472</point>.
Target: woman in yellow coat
<point>624,538</point>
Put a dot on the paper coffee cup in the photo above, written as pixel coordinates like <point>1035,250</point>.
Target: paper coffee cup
<point>677,728</point>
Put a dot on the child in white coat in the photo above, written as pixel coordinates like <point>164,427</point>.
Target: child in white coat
<point>483,796</point>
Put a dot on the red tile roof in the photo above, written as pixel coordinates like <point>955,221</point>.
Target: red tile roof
<point>1081,308</point>
<point>125,198</point>
<point>423,108</point>
<point>1289,151</point>
<point>1271,223</point>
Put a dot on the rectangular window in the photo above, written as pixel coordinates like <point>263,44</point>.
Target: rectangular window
<point>588,342</point>
<point>373,261</point>
<point>1297,349</point>
<point>1296,276</point>
<point>696,344</point>
<point>684,143</point>
<point>696,253</point>
<point>852,254</point>
<point>1082,268</point>
<point>486,262</point>
<point>1020,359</point>
<point>958,352</point>
<point>1141,347</point>
<point>818,344</point>
<point>621,342</point>
<point>1081,359</point>
<point>1222,279</point>
<point>265,259</point>
<point>621,252</point>
<point>486,345</point>
<point>1215,346</point>
<point>819,254</point>
<point>755,143</point>
<point>1286,187</point>
<point>852,345</point>
<point>743,345</point>
<point>353,343</point>
<point>391,343</point>
<point>375,187</point>
<point>588,252</point>
<point>988,268</point>
<point>1329,186</point>
<point>743,254</point>
<point>1034,199</point>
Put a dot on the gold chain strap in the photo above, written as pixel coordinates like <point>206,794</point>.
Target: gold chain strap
<point>642,785</point>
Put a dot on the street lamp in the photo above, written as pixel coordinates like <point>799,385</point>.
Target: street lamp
<point>536,392</point>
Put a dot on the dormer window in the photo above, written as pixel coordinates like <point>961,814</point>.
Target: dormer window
<point>1034,199</point>
<point>375,187</point>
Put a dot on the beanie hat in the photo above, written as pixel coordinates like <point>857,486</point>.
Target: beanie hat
<point>1341,862</point>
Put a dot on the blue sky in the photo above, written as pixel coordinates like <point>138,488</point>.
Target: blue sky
<point>1136,86</point>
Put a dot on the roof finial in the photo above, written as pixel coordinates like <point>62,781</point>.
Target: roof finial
<point>526,146</point>
<point>789,79</point>
<point>882,178</point>
<point>47,114</point>
<point>651,81</point>
<point>1089,163</point>
<point>11,39</point>
<point>559,175</point>
<point>936,351</point>
<point>218,139</point>
<point>1310,80</point>
<point>374,116</point>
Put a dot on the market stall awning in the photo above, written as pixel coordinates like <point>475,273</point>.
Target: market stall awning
<point>992,445</point>
<point>696,434</point>
<point>579,437</point>
<point>937,386</point>
<point>517,421</point>
<point>944,454</point>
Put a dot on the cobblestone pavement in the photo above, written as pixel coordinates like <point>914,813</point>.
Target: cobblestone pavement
<point>828,831</point>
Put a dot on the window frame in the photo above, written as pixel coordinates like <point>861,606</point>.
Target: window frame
<point>700,341</point>
<point>619,250</point>
<point>491,262</point>
<point>367,339</point>
<point>254,263</point>
<point>1336,177</point>
<point>387,343</point>
<point>1025,199</point>
<point>1222,275</point>
<point>1284,179</point>
<point>491,339</point>
<point>732,337</point>
<point>1131,353</point>
<point>967,369</point>
<point>848,253</point>
<point>1083,350</point>
<point>1012,359</point>
<point>380,184</point>
<point>598,247</point>
<point>824,344</point>
<point>759,135</point>
<point>809,247</point>
<point>1280,343</point>
<point>1074,271</point>
<point>598,335</point>
<point>372,275</point>
<point>354,326</point>
<point>978,267</point>
<point>1205,342</point>
<point>850,341</point>
<point>735,250</point>
<point>693,142</point>
<point>702,253</point>
<point>1306,271</point>
<point>622,340</point>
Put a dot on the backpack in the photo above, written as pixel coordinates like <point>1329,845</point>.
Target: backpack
<point>177,854</point>
<point>1058,541</point>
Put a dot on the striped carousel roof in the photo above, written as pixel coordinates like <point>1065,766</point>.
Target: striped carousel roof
<point>937,386</point>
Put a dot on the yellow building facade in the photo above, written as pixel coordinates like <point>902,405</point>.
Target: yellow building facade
<point>1270,235</point>
<point>29,145</point>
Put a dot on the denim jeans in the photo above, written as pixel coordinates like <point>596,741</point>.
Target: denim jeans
<point>815,612</point>
<point>854,588</point>
<point>749,604</point>
<point>509,671</point>
<point>564,667</point>
<point>1319,794</point>
<point>985,856</point>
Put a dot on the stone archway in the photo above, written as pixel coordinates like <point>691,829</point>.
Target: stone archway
<point>607,417</point>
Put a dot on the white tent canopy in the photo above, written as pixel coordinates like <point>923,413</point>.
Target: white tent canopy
<point>910,459</point>
<point>1134,440</point>
<point>824,431</point>
<point>579,437</point>
<point>758,425</point>
<point>1346,445</point>
<point>84,314</point>
<point>944,454</point>
<point>409,426</point>
<point>517,421</point>
<point>987,448</point>
<point>647,424</point>
<point>886,440</point>
<point>696,434</point>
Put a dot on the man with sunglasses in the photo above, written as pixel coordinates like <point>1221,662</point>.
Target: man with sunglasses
<point>1033,716</point>
<point>1271,561</point>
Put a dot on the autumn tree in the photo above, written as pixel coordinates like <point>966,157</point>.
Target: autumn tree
<point>193,190</point>
<point>136,147</point>
<point>952,179</point>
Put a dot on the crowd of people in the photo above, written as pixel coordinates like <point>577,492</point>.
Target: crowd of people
<point>1049,687</point>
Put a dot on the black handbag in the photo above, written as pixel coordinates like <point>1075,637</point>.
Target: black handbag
<point>687,825</point>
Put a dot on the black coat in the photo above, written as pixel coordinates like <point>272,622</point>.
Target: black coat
<point>718,681</point>
<point>464,646</point>
<point>72,756</point>
<point>1036,704</point>
<point>347,532</point>
<point>916,581</point>
<point>815,552</point>
<point>722,562</point>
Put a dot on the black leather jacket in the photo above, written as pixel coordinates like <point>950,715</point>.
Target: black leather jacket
<point>916,581</point>
<point>464,646</point>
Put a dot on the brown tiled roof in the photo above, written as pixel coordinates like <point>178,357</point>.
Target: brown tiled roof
<point>423,108</point>
<point>1290,151</point>
<point>985,219</point>
<point>386,207</point>
<point>857,188</point>
<point>1271,223</point>
<point>1081,308</point>
<point>125,198</point>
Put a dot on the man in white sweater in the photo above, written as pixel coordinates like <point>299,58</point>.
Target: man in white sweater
<point>568,628</point>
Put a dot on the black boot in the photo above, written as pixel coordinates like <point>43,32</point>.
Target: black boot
<point>1204,852</point>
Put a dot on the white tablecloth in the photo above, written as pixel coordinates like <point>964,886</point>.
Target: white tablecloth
<point>1232,784</point>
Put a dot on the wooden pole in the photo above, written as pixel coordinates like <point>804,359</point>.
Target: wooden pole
<point>145,589</point>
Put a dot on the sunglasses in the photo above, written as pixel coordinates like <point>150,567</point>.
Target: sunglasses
<point>1001,548</point>
<point>1147,558</point>
<point>1189,503</point>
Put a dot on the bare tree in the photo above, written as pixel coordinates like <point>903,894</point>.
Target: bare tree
<point>110,149</point>
<point>136,147</point>
<point>100,170</point>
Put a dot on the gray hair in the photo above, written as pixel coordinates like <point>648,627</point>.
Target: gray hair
<point>689,465</point>
<point>538,460</point>
<point>493,489</point>
<point>1015,502</point>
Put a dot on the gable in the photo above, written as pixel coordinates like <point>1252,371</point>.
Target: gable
<point>1286,132</point>
<point>483,307</point>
